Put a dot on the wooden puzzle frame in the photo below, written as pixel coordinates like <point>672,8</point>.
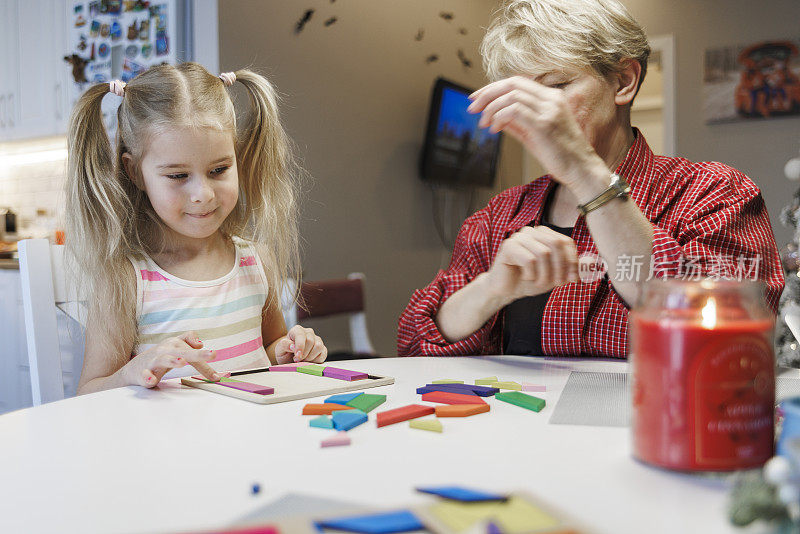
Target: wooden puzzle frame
<point>288,386</point>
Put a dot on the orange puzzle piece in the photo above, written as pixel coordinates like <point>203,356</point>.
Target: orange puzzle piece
<point>461,410</point>
<point>324,409</point>
<point>451,398</point>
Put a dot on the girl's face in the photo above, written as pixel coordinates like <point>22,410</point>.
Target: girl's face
<point>190,177</point>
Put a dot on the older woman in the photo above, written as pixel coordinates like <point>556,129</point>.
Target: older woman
<point>567,72</point>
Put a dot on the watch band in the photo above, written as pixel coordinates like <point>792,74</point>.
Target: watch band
<point>618,188</point>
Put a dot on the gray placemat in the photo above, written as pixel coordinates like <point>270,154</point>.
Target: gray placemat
<point>602,399</point>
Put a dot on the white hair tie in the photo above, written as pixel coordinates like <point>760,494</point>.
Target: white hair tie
<point>117,87</point>
<point>228,78</point>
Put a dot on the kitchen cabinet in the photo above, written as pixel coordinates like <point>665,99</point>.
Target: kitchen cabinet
<point>33,74</point>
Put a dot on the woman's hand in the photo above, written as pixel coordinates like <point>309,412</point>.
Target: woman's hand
<point>541,119</point>
<point>531,262</point>
<point>300,345</point>
<point>147,369</point>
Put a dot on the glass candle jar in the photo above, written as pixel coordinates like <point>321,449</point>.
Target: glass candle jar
<point>703,375</point>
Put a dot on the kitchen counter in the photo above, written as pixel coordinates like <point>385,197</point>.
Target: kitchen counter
<point>9,263</point>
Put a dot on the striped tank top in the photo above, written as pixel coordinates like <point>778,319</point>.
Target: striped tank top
<point>225,313</point>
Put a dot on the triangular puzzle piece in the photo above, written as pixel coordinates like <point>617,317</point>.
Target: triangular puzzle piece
<point>323,421</point>
<point>323,409</point>
<point>461,410</point>
<point>367,402</point>
<point>383,523</point>
<point>349,419</point>
<point>460,493</point>
<point>426,424</point>
<point>344,398</point>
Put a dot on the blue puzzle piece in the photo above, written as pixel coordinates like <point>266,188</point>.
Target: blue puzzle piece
<point>344,398</point>
<point>459,493</point>
<point>386,523</point>
<point>323,421</point>
<point>347,419</point>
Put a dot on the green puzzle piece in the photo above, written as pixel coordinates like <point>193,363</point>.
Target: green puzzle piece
<point>311,369</point>
<point>367,402</point>
<point>521,399</point>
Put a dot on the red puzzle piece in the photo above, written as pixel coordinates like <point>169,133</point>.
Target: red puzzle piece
<point>444,397</point>
<point>412,411</point>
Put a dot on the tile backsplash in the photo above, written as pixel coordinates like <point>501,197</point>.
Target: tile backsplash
<point>32,175</point>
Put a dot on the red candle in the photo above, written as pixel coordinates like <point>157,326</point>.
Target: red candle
<point>703,377</point>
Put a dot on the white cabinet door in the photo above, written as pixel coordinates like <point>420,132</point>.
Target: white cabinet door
<point>8,68</point>
<point>34,103</point>
<point>33,74</point>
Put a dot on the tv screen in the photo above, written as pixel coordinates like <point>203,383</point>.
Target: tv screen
<point>456,151</point>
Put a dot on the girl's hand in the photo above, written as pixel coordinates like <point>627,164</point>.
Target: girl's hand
<point>147,368</point>
<point>300,345</point>
<point>531,262</point>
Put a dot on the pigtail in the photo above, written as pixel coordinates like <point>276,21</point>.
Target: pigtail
<point>98,212</point>
<point>268,175</point>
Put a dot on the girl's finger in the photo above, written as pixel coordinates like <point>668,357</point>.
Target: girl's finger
<point>149,380</point>
<point>311,339</point>
<point>300,338</point>
<point>323,355</point>
<point>206,370</point>
<point>316,348</point>
<point>192,339</point>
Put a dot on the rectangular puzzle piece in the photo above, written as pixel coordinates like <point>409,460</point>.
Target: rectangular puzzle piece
<point>343,374</point>
<point>412,411</point>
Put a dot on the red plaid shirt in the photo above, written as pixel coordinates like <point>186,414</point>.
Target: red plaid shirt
<point>700,212</point>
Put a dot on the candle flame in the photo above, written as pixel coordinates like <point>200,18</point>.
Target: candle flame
<point>709,313</point>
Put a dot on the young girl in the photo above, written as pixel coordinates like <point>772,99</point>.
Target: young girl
<point>183,235</point>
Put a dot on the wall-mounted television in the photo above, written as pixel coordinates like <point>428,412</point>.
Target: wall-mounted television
<point>456,151</point>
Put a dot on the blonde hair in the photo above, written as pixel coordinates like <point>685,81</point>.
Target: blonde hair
<point>534,36</point>
<point>109,219</point>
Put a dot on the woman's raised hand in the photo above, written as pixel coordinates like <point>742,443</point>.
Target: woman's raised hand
<point>300,345</point>
<point>147,369</point>
<point>541,119</point>
<point>531,262</point>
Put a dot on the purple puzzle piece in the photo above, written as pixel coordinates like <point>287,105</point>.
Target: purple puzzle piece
<point>343,374</point>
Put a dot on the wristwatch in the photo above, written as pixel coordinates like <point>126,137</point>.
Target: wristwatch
<point>618,188</point>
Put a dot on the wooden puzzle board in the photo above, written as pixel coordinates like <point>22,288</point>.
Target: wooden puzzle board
<point>288,386</point>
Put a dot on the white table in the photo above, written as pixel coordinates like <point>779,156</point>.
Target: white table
<point>177,458</point>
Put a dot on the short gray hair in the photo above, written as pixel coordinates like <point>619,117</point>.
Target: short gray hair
<point>534,36</point>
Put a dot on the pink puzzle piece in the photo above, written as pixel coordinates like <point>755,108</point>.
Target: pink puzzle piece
<point>247,386</point>
<point>339,439</point>
<point>533,387</point>
<point>287,367</point>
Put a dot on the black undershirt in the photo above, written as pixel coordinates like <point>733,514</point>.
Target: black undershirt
<point>522,323</point>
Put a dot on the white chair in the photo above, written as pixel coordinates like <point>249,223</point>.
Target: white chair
<point>45,291</point>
